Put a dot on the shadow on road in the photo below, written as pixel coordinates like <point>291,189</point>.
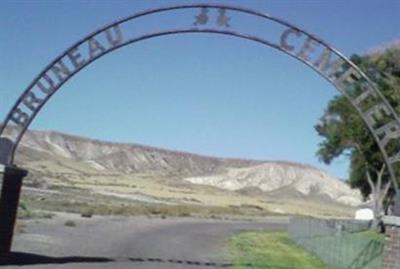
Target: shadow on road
<point>20,259</point>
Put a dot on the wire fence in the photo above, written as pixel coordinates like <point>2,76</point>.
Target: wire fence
<point>340,244</point>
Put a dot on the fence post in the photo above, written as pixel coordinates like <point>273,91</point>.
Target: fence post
<point>391,252</point>
<point>10,192</point>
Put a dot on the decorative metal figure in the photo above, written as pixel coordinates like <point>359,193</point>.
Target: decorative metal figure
<point>222,19</point>
<point>202,18</point>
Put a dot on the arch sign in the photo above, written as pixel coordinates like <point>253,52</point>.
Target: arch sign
<point>378,115</point>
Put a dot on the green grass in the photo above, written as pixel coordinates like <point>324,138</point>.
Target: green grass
<point>373,235</point>
<point>266,250</point>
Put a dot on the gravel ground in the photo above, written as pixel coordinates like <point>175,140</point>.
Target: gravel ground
<point>134,242</point>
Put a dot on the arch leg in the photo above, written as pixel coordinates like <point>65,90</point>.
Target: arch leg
<point>10,193</point>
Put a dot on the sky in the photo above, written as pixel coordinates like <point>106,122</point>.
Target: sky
<point>206,94</point>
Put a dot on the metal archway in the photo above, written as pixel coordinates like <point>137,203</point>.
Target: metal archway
<point>377,113</point>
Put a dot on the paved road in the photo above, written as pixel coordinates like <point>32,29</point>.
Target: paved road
<point>134,243</point>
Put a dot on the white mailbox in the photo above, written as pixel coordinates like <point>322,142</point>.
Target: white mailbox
<point>364,214</point>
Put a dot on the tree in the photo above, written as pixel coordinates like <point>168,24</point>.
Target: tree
<point>344,132</point>
<point>379,192</point>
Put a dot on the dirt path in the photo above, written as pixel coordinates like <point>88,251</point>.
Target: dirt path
<point>134,243</point>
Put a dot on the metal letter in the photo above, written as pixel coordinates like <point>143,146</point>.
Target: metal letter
<point>323,61</point>
<point>368,91</point>
<point>375,113</point>
<point>75,58</point>
<point>117,39</point>
<point>352,76</point>
<point>388,132</point>
<point>45,90</point>
<point>284,45</point>
<point>325,65</point>
<point>308,47</point>
<point>347,78</point>
<point>31,101</point>
<point>95,46</point>
<point>60,70</point>
<point>19,117</point>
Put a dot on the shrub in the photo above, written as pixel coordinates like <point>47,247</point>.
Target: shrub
<point>88,213</point>
<point>70,223</point>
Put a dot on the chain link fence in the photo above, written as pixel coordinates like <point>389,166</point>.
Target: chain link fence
<point>341,244</point>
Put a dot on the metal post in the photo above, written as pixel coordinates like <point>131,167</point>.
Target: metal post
<point>10,192</point>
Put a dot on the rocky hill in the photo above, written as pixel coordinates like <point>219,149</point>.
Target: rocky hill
<point>125,158</point>
<point>283,177</point>
<point>273,177</point>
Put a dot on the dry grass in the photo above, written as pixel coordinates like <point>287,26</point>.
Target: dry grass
<point>78,188</point>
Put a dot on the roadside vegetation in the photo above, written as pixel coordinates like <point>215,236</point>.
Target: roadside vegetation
<point>108,208</point>
<point>78,202</point>
<point>88,203</point>
<point>149,196</point>
<point>26,213</point>
<point>260,250</point>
